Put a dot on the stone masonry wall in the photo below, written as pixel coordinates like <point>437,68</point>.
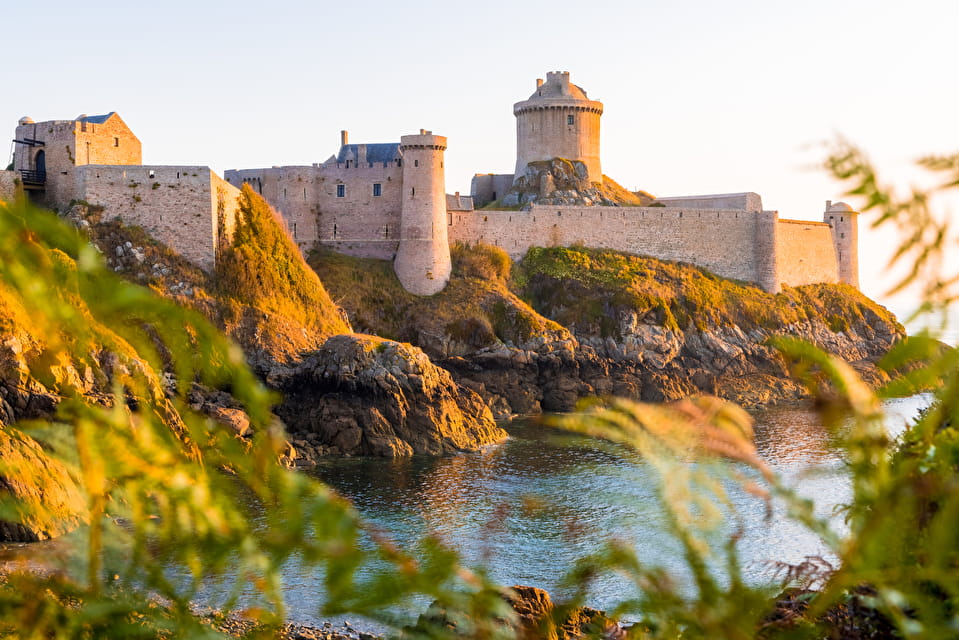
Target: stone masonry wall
<point>8,185</point>
<point>487,187</point>
<point>71,143</point>
<point>360,223</point>
<point>806,253</point>
<point>720,240</point>
<point>179,206</point>
<point>748,201</point>
<point>291,191</point>
<point>357,223</point>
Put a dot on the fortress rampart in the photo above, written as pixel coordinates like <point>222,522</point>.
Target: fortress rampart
<point>805,253</point>
<point>733,243</point>
<point>722,240</point>
<point>388,201</point>
<point>191,209</point>
<point>8,185</point>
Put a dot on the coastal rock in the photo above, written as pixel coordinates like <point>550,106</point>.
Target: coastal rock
<point>364,395</point>
<point>45,500</point>
<point>535,618</point>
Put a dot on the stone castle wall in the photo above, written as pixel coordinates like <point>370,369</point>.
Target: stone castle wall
<point>743,245</point>
<point>357,223</point>
<point>72,143</point>
<point>805,253</point>
<point>8,185</point>
<point>487,187</point>
<point>748,201</point>
<point>721,240</point>
<point>190,209</point>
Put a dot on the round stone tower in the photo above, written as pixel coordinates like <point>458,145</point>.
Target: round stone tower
<point>558,121</point>
<point>845,238</point>
<point>423,257</point>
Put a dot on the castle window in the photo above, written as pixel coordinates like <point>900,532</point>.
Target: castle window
<point>412,191</point>
<point>341,191</point>
<point>153,174</point>
<point>377,189</point>
<point>570,119</point>
<point>416,163</point>
<point>116,142</point>
<point>399,163</point>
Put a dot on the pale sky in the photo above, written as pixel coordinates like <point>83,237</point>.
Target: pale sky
<point>700,96</point>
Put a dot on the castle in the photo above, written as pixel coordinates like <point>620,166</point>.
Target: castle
<point>388,200</point>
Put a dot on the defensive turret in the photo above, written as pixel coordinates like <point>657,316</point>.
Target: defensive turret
<point>845,238</point>
<point>558,121</point>
<point>423,257</point>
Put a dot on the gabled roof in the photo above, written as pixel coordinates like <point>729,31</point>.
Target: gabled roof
<point>379,152</point>
<point>96,119</point>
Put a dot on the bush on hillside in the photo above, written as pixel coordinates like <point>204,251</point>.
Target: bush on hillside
<point>263,267</point>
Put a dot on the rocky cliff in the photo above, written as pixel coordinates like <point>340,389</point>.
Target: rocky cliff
<point>569,322</point>
<point>565,182</point>
<point>365,395</point>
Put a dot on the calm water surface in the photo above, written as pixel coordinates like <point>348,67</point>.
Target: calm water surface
<point>527,508</point>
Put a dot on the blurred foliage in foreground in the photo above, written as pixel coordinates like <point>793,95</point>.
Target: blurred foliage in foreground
<point>162,484</point>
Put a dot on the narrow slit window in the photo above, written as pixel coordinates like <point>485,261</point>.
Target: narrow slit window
<point>116,142</point>
<point>416,163</point>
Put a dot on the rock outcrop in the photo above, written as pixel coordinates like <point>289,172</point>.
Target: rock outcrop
<point>363,395</point>
<point>535,617</point>
<point>565,182</point>
<point>42,499</point>
<point>578,322</point>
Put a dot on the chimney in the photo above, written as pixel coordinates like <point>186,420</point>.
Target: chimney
<point>539,82</point>
<point>344,138</point>
<point>828,204</point>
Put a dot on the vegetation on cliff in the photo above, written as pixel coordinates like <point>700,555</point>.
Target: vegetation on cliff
<point>160,484</point>
<point>263,268</point>
<point>262,294</point>
<point>174,505</point>
<point>577,286</point>
<point>474,311</point>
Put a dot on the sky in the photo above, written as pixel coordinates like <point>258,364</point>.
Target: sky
<point>700,96</point>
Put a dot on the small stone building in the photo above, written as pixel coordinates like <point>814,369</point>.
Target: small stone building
<point>97,160</point>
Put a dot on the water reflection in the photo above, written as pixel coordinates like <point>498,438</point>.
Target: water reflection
<point>529,507</point>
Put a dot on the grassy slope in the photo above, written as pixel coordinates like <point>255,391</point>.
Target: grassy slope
<point>577,285</point>
<point>263,293</point>
<point>476,309</point>
<point>263,268</point>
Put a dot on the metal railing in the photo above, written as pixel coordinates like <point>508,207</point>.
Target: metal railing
<point>33,177</point>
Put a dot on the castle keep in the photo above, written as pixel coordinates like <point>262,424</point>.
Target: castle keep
<point>389,201</point>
